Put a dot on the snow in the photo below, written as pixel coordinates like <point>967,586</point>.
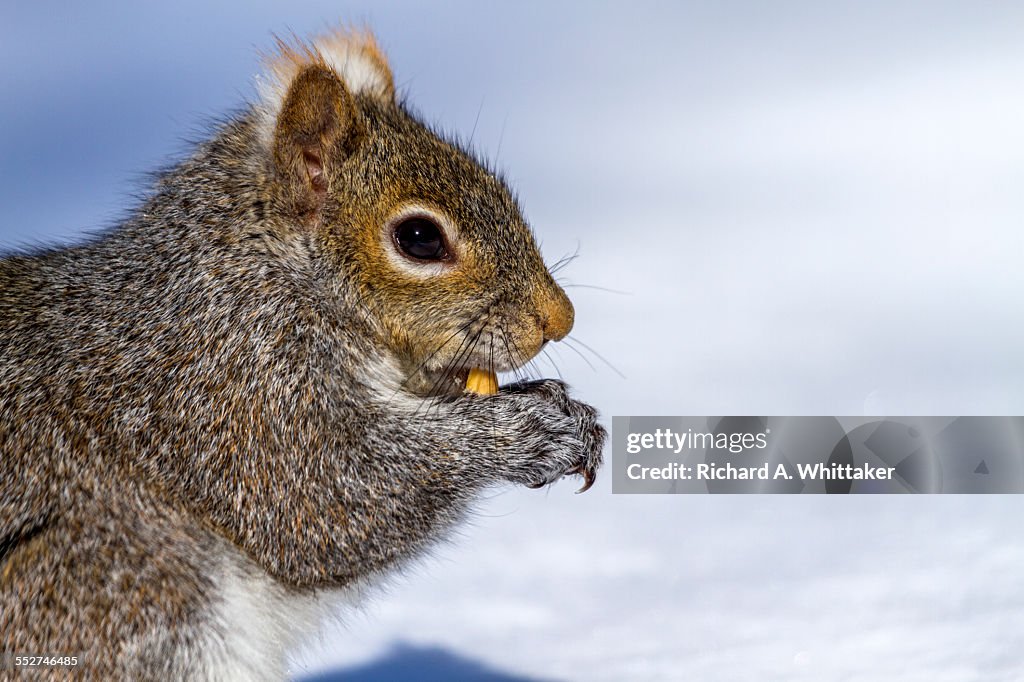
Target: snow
<point>560,587</point>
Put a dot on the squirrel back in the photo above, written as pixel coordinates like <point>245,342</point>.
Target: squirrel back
<point>252,391</point>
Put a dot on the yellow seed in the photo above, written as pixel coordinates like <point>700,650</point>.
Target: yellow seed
<point>482,382</point>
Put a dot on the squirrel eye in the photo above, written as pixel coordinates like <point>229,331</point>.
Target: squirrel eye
<point>421,239</point>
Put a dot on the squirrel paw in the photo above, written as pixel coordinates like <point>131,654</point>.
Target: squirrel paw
<point>562,435</point>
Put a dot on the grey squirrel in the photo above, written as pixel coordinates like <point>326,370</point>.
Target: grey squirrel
<point>250,395</point>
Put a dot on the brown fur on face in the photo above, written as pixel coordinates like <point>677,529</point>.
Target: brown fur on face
<point>369,160</point>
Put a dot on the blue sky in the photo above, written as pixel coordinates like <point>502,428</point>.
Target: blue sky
<point>811,208</point>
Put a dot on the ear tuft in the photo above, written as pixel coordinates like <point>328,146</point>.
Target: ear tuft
<point>352,54</point>
<point>359,61</point>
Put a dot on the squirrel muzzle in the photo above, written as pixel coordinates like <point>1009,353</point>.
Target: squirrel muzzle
<point>556,313</point>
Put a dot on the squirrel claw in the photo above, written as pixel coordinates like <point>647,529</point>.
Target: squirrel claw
<point>588,479</point>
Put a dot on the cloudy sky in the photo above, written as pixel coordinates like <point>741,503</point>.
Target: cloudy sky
<point>785,208</point>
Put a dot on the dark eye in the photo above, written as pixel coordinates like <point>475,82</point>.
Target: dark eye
<point>421,239</point>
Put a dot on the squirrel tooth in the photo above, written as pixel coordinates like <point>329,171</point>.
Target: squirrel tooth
<point>482,382</point>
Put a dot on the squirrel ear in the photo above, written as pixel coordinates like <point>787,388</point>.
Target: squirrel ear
<point>317,126</point>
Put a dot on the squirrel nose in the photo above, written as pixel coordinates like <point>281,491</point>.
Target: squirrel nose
<point>556,313</point>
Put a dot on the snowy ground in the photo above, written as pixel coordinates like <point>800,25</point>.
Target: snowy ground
<point>604,587</point>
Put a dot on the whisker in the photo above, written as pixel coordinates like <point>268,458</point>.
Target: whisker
<point>565,260</point>
<point>465,351</point>
<point>553,365</point>
<point>516,374</point>
<point>594,286</point>
<point>525,365</point>
<point>431,395</point>
<point>465,348</point>
<point>582,356</point>
<point>472,133</point>
<point>465,327</point>
<point>490,368</point>
<point>596,354</point>
<point>520,359</point>
<point>501,138</point>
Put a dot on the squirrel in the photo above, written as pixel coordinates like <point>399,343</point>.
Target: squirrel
<point>247,399</point>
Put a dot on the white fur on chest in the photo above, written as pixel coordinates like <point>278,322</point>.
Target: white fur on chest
<point>253,622</point>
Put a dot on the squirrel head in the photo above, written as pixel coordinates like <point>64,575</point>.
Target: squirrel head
<point>430,240</point>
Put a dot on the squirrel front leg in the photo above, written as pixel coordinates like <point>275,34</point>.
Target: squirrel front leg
<point>531,433</point>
